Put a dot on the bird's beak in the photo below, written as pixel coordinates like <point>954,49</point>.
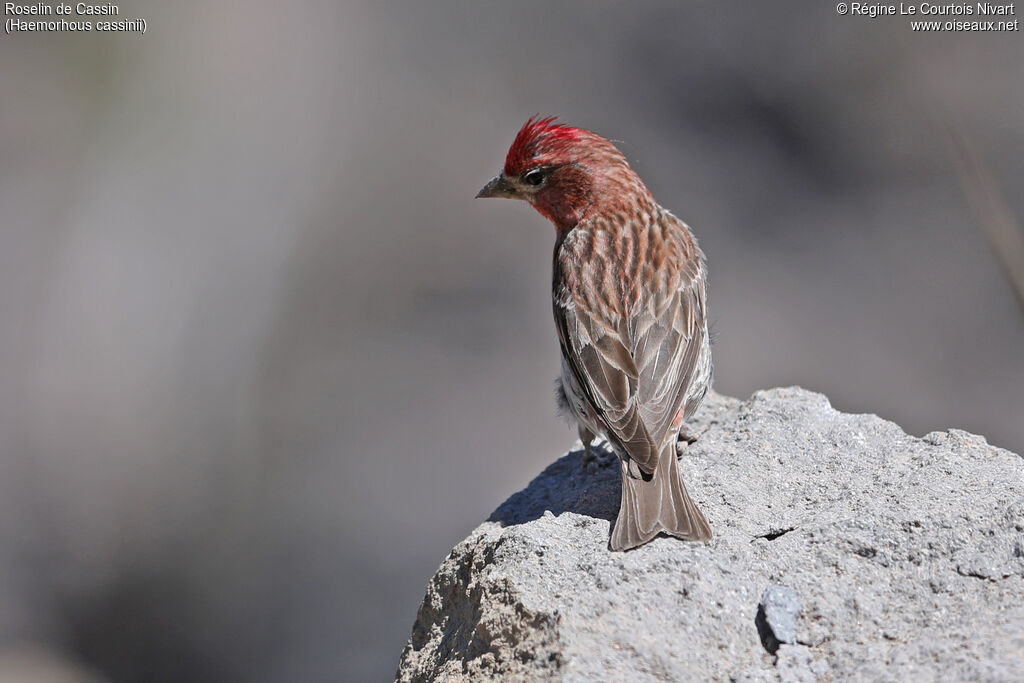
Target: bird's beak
<point>500,186</point>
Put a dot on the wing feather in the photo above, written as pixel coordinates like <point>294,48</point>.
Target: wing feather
<point>635,366</point>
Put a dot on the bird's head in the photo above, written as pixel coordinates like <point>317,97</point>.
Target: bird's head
<point>564,172</point>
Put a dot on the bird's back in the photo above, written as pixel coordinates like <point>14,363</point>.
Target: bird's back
<point>629,301</point>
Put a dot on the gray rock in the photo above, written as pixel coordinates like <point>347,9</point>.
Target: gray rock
<point>905,552</point>
<point>777,615</point>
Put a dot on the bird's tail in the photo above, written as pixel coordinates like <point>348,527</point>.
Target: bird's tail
<point>658,505</point>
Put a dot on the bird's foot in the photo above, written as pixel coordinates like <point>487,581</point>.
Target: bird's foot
<point>685,439</point>
<point>597,455</point>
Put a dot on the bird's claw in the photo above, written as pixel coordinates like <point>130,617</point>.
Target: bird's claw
<point>684,440</point>
<point>597,456</point>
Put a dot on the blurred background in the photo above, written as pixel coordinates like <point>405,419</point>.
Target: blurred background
<point>265,360</point>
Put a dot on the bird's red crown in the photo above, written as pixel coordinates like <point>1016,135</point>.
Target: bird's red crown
<point>540,138</point>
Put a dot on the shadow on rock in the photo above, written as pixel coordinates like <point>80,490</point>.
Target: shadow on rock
<point>567,485</point>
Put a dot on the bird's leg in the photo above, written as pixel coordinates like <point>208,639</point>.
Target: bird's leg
<point>595,455</point>
<point>586,436</point>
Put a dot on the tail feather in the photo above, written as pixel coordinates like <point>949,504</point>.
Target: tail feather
<point>660,505</point>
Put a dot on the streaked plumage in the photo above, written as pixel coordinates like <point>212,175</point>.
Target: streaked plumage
<point>629,305</point>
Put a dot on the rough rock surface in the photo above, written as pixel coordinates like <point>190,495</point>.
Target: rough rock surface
<point>906,557</point>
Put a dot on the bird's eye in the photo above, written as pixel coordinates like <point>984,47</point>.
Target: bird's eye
<point>534,177</point>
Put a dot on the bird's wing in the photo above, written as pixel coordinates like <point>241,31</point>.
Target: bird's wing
<point>669,338</point>
<point>635,370</point>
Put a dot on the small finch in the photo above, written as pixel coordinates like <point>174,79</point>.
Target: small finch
<point>629,301</point>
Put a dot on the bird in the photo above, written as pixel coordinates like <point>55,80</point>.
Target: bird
<point>629,299</point>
